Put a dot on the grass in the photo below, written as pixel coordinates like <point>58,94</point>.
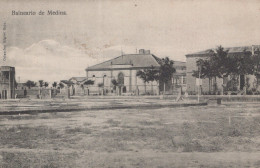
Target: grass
<point>179,137</point>
<point>84,130</point>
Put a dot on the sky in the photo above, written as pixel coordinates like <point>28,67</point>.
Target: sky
<point>58,47</point>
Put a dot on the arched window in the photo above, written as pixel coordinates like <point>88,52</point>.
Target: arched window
<point>121,79</point>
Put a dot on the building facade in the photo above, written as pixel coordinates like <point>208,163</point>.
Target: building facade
<point>207,85</point>
<point>78,85</point>
<point>7,82</point>
<point>123,70</point>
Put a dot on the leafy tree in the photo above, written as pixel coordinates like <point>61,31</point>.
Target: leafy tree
<point>30,84</point>
<point>54,84</point>
<point>216,65</point>
<point>148,75</point>
<point>114,83</point>
<point>89,82</point>
<point>143,75</point>
<point>256,58</point>
<point>100,85</point>
<point>220,64</point>
<point>41,83</point>
<point>163,74</point>
<point>166,71</point>
<point>15,84</point>
<point>46,84</point>
<point>244,64</point>
<point>61,85</point>
<point>205,70</point>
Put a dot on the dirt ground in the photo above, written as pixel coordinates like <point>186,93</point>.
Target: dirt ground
<point>208,136</point>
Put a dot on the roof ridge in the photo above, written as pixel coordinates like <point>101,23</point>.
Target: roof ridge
<point>225,48</point>
<point>118,57</point>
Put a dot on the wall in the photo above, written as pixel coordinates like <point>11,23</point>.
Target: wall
<point>191,81</point>
<point>35,93</point>
<point>7,82</point>
<point>131,82</point>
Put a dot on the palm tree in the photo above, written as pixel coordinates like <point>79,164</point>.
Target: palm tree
<point>46,84</point>
<point>54,84</point>
<point>114,83</point>
<point>143,75</point>
<point>41,83</point>
<point>166,71</point>
<point>87,83</point>
<point>30,84</point>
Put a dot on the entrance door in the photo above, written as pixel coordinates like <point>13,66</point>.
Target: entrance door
<point>242,82</point>
<point>121,81</point>
<point>4,94</point>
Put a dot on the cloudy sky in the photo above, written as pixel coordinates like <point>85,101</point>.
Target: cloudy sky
<point>59,47</point>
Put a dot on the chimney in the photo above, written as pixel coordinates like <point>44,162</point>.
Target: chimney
<point>147,52</point>
<point>141,51</point>
<point>253,50</point>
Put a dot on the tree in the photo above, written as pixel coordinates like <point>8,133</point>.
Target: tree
<point>89,82</point>
<point>216,65</point>
<point>205,70</point>
<point>46,84</point>
<point>41,83</point>
<point>166,71</point>
<point>244,66</point>
<point>61,85</point>
<point>256,58</point>
<point>114,83</point>
<point>163,74</point>
<point>30,84</point>
<point>220,64</point>
<point>54,84</point>
<point>143,75</point>
<point>148,75</point>
<point>100,85</point>
<point>15,84</point>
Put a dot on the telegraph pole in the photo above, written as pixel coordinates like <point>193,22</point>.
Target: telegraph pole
<point>199,68</point>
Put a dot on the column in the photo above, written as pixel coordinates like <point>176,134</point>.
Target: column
<point>136,87</point>
<point>130,81</point>
<point>9,82</point>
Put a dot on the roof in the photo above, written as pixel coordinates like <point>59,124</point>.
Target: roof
<point>67,82</point>
<point>21,84</point>
<point>133,60</point>
<point>179,63</point>
<point>78,79</point>
<point>231,50</point>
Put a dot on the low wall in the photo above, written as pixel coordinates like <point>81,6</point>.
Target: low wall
<point>36,93</point>
<point>225,98</point>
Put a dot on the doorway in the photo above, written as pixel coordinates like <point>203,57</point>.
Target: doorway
<point>242,82</point>
<point>121,81</point>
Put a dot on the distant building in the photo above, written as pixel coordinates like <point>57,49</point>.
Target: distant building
<point>67,90</point>
<point>7,82</point>
<point>78,85</point>
<point>21,86</point>
<point>207,85</point>
<point>123,69</point>
<point>78,80</point>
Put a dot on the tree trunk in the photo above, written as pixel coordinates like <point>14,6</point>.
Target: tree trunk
<point>151,88</point>
<point>144,87</point>
<point>164,88</point>
<point>215,84</point>
<point>209,85</point>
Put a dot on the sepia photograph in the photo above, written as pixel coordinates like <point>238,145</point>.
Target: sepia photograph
<point>129,84</point>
